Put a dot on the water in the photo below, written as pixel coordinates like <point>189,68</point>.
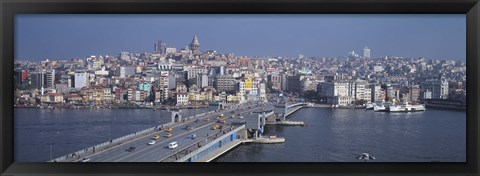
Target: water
<point>71,130</point>
<point>338,135</point>
<point>331,135</point>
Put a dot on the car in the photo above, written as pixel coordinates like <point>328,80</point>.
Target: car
<point>215,127</point>
<point>151,142</point>
<point>193,136</point>
<point>85,159</point>
<point>241,117</point>
<point>173,145</point>
<point>169,129</point>
<point>156,137</point>
<point>168,135</point>
<point>130,149</point>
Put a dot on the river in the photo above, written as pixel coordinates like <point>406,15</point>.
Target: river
<point>329,135</point>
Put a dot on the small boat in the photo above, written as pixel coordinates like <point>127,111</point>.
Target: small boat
<point>369,106</point>
<point>365,157</point>
<point>380,107</point>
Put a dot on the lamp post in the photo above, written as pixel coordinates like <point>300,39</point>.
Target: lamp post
<point>51,145</point>
<point>109,129</point>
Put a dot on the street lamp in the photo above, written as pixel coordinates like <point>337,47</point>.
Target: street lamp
<point>109,129</point>
<point>51,145</point>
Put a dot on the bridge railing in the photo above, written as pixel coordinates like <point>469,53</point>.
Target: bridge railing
<point>119,139</point>
<point>186,157</point>
<point>106,144</point>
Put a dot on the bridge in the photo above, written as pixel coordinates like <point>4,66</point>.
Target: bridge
<point>196,138</point>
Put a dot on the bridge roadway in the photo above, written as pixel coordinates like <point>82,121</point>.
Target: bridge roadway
<point>160,151</point>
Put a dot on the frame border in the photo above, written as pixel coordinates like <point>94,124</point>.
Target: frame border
<point>8,9</point>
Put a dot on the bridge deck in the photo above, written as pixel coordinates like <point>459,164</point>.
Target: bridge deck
<point>160,152</point>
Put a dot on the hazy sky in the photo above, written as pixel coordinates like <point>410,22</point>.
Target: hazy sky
<point>39,37</point>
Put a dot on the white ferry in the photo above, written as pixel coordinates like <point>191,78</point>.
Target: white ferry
<point>407,108</point>
<point>380,107</point>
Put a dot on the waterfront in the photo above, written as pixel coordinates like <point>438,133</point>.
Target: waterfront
<point>338,135</point>
<point>330,135</point>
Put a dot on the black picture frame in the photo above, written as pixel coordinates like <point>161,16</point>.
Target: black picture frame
<point>8,9</point>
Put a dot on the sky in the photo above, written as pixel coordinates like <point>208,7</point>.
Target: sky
<point>63,37</point>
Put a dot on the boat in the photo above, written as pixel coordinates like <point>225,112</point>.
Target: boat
<point>369,105</point>
<point>380,107</point>
<point>397,108</point>
<point>419,107</point>
<point>407,108</point>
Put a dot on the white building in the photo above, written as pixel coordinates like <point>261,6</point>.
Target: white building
<point>193,72</point>
<point>124,72</point>
<point>182,99</point>
<point>101,72</point>
<point>263,92</point>
<point>81,79</point>
<point>366,53</point>
<point>361,91</point>
<point>202,80</point>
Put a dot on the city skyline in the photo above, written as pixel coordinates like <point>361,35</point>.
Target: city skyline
<point>62,37</point>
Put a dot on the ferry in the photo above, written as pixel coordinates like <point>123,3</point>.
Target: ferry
<point>380,107</point>
<point>407,108</point>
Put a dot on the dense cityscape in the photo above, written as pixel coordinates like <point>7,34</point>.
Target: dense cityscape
<point>190,77</point>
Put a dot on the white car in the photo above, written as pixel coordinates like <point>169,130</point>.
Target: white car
<point>151,142</point>
<point>173,145</point>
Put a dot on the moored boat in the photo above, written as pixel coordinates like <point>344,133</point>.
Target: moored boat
<point>407,108</point>
<point>380,107</point>
<point>369,105</point>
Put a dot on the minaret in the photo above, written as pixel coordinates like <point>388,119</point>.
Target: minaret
<point>195,45</point>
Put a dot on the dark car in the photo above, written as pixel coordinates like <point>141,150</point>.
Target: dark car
<point>130,149</point>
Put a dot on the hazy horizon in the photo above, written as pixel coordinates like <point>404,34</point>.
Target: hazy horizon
<point>63,37</point>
